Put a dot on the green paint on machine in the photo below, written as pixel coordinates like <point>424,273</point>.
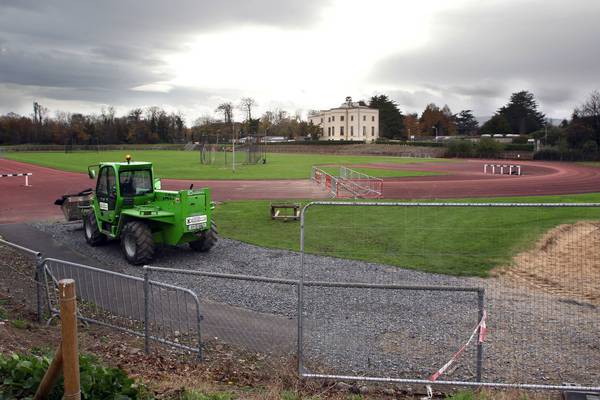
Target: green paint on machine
<point>129,205</point>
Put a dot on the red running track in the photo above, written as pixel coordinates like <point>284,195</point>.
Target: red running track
<point>19,203</point>
<point>460,179</point>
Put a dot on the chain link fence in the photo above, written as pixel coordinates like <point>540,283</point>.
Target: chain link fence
<point>538,264</point>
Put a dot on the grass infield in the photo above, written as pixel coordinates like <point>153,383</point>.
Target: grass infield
<point>454,241</point>
<point>186,164</point>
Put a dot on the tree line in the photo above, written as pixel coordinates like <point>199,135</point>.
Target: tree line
<point>573,138</point>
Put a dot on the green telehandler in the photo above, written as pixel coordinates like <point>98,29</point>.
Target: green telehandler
<point>128,204</point>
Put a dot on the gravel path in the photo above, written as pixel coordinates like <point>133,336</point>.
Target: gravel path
<point>533,337</point>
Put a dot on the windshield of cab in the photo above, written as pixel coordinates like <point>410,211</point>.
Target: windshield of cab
<point>135,183</point>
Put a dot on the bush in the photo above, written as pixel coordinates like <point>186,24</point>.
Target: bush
<point>488,148</point>
<point>20,375</point>
<point>518,147</point>
<point>459,148</point>
<point>520,140</point>
<point>557,155</point>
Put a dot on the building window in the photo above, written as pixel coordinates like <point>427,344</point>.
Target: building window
<point>328,131</point>
<point>373,118</point>
<point>341,131</point>
<point>321,120</point>
<point>364,117</point>
<point>333,119</point>
<point>352,118</point>
<point>328,119</point>
<point>352,131</point>
<point>342,118</point>
<point>332,130</point>
<point>372,131</point>
<point>364,131</point>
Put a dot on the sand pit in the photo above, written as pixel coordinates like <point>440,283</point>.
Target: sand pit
<point>565,262</point>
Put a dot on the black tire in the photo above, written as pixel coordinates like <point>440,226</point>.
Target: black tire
<point>137,244</point>
<point>92,234</point>
<point>207,239</point>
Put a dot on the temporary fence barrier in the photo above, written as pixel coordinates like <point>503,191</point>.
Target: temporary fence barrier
<point>349,183</point>
<point>542,329</point>
<point>156,311</point>
<point>363,185</point>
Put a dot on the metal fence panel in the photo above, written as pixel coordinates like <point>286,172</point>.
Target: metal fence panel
<point>266,324</point>
<point>537,262</point>
<point>163,313</point>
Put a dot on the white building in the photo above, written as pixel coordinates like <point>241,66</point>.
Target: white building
<point>350,121</point>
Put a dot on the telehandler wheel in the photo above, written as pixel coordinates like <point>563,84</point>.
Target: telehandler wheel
<point>137,244</point>
<point>207,240</point>
<point>91,232</point>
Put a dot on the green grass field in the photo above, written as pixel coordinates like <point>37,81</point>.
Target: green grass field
<point>186,164</point>
<point>454,241</point>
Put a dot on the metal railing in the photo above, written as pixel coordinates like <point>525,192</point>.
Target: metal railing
<point>363,185</point>
<point>349,184</point>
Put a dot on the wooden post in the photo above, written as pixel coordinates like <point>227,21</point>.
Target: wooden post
<point>70,355</point>
<point>51,376</point>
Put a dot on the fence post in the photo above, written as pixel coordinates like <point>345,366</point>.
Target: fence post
<point>146,309</point>
<point>481,305</point>
<point>39,271</point>
<point>68,327</point>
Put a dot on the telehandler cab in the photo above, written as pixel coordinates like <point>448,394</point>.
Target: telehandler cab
<point>128,204</point>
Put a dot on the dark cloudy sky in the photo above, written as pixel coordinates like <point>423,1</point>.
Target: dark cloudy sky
<point>190,55</point>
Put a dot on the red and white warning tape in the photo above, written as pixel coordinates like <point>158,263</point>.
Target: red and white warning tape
<point>481,339</point>
<point>482,329</point>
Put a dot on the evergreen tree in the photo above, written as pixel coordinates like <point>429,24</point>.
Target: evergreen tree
<point>496,125</point>
<point>522,114</point>
<point>391,124</point>
<point>466,123</point>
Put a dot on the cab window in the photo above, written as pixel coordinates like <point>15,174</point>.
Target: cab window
<point>135,183</point>
<point>106,181</point>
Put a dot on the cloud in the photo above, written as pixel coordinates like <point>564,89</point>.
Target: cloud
<point>100,51</point>
<point>486,50</point>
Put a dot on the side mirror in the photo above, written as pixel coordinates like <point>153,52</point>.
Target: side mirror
<point>157,184</point>
<point>92,173</point>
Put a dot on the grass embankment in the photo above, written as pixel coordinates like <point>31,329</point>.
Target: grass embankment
<point>186,164</point>
<point>454,241</point>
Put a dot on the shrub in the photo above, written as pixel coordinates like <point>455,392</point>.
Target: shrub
<point>518,147</point>
<point>488,148</point>
<point>459,148</point>
<point>20,375</point>
<point>520,140</point>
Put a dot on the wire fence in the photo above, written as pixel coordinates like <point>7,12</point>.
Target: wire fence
<point>250,313</point>
<point>538,264</point>
<point>157,311</point>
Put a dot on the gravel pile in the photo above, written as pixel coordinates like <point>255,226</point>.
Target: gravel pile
<point>533,338</point>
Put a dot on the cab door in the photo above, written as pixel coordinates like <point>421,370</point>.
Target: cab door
<point>106,193</point>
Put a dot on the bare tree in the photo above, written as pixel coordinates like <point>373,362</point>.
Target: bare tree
<point>591,107</point>
<point>246,104</point>
<point>227,110</point>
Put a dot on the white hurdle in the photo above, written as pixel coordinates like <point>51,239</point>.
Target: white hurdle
<point>25,174</point>
<point>501,168</point>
